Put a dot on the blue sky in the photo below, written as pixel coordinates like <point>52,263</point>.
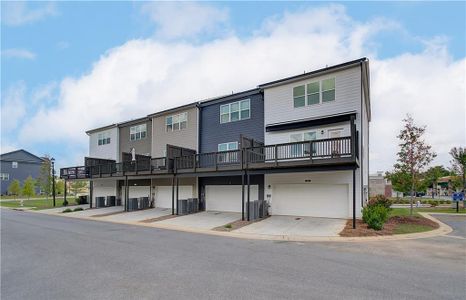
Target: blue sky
<point>45,46</point>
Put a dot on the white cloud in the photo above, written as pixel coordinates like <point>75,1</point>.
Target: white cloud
<point>16,13</point>
<point>184,19</point>
<point>18,53</point>
<point>44,93</point>
<point>13,107</point>
<point>143,76</point>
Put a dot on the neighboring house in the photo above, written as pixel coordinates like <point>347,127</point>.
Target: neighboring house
<point>18,165</point>
<point>379,185</point>
<point>226,124</point>
<point>300,143</point>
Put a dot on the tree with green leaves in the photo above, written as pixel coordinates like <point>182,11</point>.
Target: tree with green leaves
<point>59,186</point>
<point>400,180</point>
<point>458,163</point>
<point>77,186</point>
<point>44,180</point>
<point>29,187</point>
<point>414,154</point>
<point>14,188</point>
<point>432,175</point>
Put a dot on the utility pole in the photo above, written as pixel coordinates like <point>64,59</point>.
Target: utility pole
<point>53,180</point>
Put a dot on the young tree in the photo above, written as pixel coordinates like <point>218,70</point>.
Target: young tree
<point>415,154</point>
<point>44,180</point>
<point>14,188</point>
<point>28,187</point>
<point>77,186</point>
<point>60,186</point>
<point>458,163</point>
<point>401,180</point>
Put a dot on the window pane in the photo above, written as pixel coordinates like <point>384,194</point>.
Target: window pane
<point>328,84</point>
<point>175,119</point>
<point>233,146</point>
<point>183,117</point>
<point>143,134</point>
<point>224,118</point>
<point>169,127</point>
<point>244,114</point>
<point>143,127</point>
<point>183,125</point>
<point>309,136</point>
<point>299,101</point>
<point>108,140</point>
<point>298,91</point>
<point>313,99</point>
<point>297,137</point>
<point>132,130</point>
<point>234,106</point>
<point>313,88</point>
<point>328,96</point>
<point>131,136</point>
<point>169,120</point>
<point>138,135</point>
<point>235,116</point>
<point>176,126</point>
<point>99,142</point>
<point>222,147</point>
<point>224,109</point>
<point>245,104</point>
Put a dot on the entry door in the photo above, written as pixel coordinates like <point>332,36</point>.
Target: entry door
<point>336,146</point>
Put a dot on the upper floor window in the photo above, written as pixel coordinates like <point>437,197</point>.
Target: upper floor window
<point>103,138</point>
<point>14,164</point>
<point>138,132</point>
<point>176,122</point>
<point>316,92</point>
<point>235,111</point>
<point>228,146</point>
<point>4,176</point>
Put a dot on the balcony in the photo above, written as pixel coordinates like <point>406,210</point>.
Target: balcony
<point>318,153</point>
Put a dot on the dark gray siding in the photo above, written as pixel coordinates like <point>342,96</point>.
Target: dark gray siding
<point>212,132</point>
<point>28,165</point>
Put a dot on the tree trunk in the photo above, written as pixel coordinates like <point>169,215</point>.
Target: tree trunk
<point>411,201</point>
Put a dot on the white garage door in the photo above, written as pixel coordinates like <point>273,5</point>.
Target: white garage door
<point>137,191</point>
<point>163,195</point>
<point>227,197</point>
<point>316,200</point>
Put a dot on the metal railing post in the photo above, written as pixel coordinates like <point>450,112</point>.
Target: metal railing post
<point>276,155</point>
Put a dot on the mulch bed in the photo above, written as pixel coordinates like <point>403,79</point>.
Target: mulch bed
<point>388,228</point>
<point>158,219</point>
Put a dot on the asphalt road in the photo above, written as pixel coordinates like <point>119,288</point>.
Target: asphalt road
<point>52,257</point>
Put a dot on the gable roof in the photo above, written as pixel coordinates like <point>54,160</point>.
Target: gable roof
<point>21,155</point>
<point>229,97</point>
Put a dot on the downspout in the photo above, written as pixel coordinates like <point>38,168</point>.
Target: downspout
<point>361,152</point>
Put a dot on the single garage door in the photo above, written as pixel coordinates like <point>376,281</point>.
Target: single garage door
<point>316,200</point>
<point>227,197</point>
<point>137,191</point>
<point>163,195</point>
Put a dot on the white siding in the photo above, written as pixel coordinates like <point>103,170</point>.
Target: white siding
<point>104,188</point>
<point>278,137</point>
<point>326,178</point>
<point>108,151</point>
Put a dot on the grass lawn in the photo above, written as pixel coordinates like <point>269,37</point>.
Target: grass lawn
<point>410,228</point>
<point>21,197</point>
<point>404,212</point>
<point>37,203</point>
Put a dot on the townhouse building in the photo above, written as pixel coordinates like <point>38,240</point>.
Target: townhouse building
<point>299,143</point>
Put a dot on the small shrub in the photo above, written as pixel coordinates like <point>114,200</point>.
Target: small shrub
<point>380,200</point>
<point>228,226</point>
<point>375,216</point>
<point>78,209</point>
<point>67,210</point>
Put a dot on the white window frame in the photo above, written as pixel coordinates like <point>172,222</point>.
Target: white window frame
<point>228,146</point>
<point>299,150</point>
<point>181,120</point>
<point>14,165</point>
<point>103,138</point>
<point>321,91</point>
<point>138,132</point>
<point>239,111</point>
<point>4,176</point>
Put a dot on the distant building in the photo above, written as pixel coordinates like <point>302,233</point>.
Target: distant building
<point>19,165</point>
<point>378,185</point>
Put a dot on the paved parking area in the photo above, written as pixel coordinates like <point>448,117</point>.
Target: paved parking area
<point>292,225</point>
<point>204,220</point>
<point>139,215</point>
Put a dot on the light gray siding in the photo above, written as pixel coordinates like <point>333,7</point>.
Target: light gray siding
<point>108,151</point>
<point>187,137</point>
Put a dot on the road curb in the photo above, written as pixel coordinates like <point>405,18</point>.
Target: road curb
<point>442,230</point>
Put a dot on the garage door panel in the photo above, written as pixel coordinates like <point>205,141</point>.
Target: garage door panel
<point>227,197</point>
<point>318,200</point>
<point>163,195</point>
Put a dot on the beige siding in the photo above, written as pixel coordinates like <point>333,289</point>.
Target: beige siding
<point>186,138</point>
<point>141,146</point>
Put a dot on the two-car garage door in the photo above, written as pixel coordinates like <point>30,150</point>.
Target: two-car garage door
<point>318,200</point>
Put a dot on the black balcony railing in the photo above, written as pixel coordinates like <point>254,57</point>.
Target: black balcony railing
<point>333,150</point>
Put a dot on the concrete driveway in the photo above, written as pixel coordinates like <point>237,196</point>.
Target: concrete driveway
<point>138,215</point>
<point>292,225</point>
<point>204,220</point>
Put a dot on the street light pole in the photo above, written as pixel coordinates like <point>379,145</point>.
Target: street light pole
<point>53,180</point>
